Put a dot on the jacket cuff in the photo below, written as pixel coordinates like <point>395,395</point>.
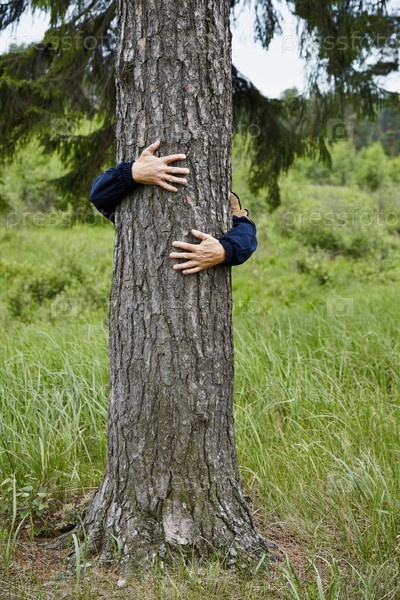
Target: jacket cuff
<point>228,251</point>
<point>127,174</point>
<point>243,220</point>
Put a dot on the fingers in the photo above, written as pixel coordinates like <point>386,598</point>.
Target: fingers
<point>192,247</point>
<point>185,246</point>
<point>194,270</point>
<point>172,179</point>
<point>152,148</point>
<point>198,257</point>
<point>189,267</point>
<point>167,186</point>
<point>165,159</point>
<point>168,180</point>
<point>200,235</point>
<point>179,255</point>
<point>190,264</point>
<point>173,158</point>
<point>151,169</point>
<point>183,255</point>
<point>177,171</point>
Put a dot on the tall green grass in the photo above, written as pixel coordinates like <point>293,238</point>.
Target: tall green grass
<point>54,283</point>
<point>53,404</point>
<point>317,402</point>
<point>318,428</point>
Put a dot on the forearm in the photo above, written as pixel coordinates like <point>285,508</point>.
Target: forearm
<point>111,187</point>
<point>240,242</point>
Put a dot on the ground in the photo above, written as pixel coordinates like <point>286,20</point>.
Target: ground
<point>39,572</point>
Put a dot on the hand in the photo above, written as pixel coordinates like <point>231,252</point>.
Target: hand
<point>237,209</point>
<point>154,170</point>
<point>198,257</point>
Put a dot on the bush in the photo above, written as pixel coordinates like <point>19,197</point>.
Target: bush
<point>328,238</point>
<point>315,263</point>
<point>372,170</point>
<point>394,170</point>
<point>30,291</point>
<point>343,163</point>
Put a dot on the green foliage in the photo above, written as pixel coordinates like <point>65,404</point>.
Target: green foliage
<point>372,170</point>
<point>394,170</point>
<point>27,181</point>
<point>28,292</point>
<point>60,289</point>
<point>384,129</point>
<point>56,411</point>
<point>13,531</point>
<point>344,160</point>
<point>369,168</point>
<point>316,265</point>
<point>49,90</point>
<point>30,498</point>
<point>316,414</point>
<point>274,135</point>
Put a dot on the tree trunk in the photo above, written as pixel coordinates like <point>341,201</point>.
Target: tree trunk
<point>172,481</point>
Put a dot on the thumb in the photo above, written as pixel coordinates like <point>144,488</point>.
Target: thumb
<point>152,148</point>
<point>199,234</point>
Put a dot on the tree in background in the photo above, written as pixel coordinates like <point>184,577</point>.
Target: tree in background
<point>49,89</point>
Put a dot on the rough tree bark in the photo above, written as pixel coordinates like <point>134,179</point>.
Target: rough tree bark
<point>172,482</point>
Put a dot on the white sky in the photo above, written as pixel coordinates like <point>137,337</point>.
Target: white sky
<point>271,72</point>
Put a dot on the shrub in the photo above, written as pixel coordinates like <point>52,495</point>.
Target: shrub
<point>343,163</point>
<point>31,289</point>
<point>372,168</point>
<point>315,263</point>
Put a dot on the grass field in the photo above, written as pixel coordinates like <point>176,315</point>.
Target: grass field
<point>316,318</point>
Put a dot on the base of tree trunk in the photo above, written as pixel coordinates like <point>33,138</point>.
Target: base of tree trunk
<point>137,541</point>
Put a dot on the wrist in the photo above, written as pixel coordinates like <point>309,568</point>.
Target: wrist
<point>126,173</point>
<point>134,172</point>
<point>137,172</point>
<point>221,254</point>
<point>242,212</point>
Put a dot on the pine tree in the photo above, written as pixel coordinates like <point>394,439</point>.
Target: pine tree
<point>172,485</point>
<point>49,90</point>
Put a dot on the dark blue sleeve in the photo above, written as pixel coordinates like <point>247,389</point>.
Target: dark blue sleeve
<point>240,242</point>
<point>111,187</point>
